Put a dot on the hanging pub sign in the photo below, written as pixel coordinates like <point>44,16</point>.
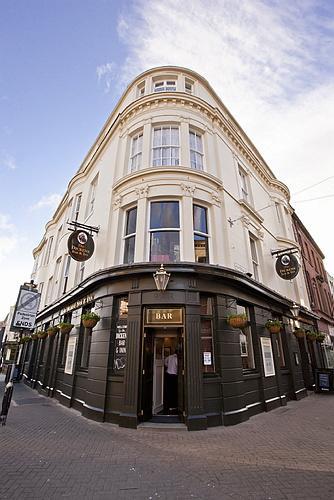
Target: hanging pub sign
<point>287,266</point>
<point>80,245</point>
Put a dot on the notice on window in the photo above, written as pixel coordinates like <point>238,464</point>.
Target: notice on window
<point>120,347</point>
<point>267,355</point>
<point>70,354</point>
<point>207,359</point>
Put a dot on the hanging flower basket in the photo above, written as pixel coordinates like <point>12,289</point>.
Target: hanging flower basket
<point>320,337</point>
<point>299,333</point>
<point>237,320</point>
<point>25,339</point>
<point>41,335</point>
<point>52,331</point>
<point>65,328</point>
<point>273,325</point>
<point>34,336</point>
<point>311,335</point>
<point>90,319</point>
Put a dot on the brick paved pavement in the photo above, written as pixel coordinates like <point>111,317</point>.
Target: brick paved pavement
<point>48,451</point>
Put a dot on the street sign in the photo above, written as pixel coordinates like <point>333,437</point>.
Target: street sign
<point>26,308</point>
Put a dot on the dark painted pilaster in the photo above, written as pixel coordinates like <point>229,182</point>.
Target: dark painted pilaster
<point>195,417</point>
<point>129,414</point>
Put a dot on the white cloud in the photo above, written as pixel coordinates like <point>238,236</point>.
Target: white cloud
<point>7,161</point>
<point>50,201</point>
<point>105,74</point>
<point>8,237</point>
<point>271,63</point>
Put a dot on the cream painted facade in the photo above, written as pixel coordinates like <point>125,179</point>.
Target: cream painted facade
<point>244,201</point>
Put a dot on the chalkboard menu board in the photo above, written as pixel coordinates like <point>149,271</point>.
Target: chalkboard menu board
<point>120,347</point>
<point>323,381</point>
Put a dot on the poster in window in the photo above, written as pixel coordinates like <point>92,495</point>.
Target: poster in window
<point>70,354</point>
<point>267,355</point>
<point>120,347</point>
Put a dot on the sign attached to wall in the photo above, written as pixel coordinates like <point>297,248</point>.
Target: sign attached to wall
<point>287,266</point>
<point>80,245</point>
<point>70,355</point>
<point>267,356</point>
<point>164,317</point>
<point>120,347</point>
<point>26,309</point>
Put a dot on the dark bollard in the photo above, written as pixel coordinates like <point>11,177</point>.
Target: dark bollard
<point>7,397</point>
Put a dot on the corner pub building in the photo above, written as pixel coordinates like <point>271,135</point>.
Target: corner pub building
<point>172,179</point>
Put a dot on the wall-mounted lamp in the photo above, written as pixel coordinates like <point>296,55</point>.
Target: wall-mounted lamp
<point>295,310</point>
<point>161,278</point>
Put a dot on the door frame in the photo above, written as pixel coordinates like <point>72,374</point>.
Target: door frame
<point>154,332</point>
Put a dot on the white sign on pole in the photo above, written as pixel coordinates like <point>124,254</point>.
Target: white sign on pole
<point>26,309</point>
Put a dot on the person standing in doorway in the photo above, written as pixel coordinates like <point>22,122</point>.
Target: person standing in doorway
<point>171,383</point>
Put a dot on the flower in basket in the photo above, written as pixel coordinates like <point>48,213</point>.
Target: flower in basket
<point>90,319</point>
<point>311,335</point>
<point>65,328</point>
<point>320,337</point>
<point>25,339</point>
<point>34,336</point>
<point>273,325</point>
<point>52,330</point>
<point>41,334</point>
<point>237,320</point>
<point>299,333</point>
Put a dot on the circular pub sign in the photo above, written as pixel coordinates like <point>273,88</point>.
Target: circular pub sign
<point>287,266</point>
<point>80,245</point>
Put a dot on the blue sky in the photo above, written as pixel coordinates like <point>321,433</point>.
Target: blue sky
<point>64,63</point>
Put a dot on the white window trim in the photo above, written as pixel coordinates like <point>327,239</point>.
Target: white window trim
<point>168,85</point>
<point>136,157</point>
<point>197,151</point>
<point>161,146</point>
<point>130,235</point>
<point>255,260</point>
<point>179,230</point>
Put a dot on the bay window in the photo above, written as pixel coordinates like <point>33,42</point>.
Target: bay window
<point>166,146</point>
<point>200,234</point>
<point>196,150</point>
<point>130,235</point>
<point>136,152</point>
<point>165,231</point>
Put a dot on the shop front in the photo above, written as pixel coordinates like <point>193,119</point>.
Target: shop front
<point>170,356</point>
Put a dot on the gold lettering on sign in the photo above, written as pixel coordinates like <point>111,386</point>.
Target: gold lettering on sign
<point>164,316</point>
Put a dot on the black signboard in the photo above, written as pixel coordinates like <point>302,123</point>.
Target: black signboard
<point>80,245</point>
<point>120,347</point>
<point>323,381</point>
<point>287,266</point>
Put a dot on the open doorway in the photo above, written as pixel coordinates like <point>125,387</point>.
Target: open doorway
<point>162,381</point>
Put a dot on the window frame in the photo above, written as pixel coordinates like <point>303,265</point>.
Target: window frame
<point>198,153</point>
<point>247,332</point>
<point>253,245</point>
<point>129,236</point>
<point>92,196</point>
<point>167,85</point>
<point>207,316</point>
<point>202,234</point>
<point>177,230</point>
<point>244,184</point>
<point>135,158</point>
<point>173,161</point>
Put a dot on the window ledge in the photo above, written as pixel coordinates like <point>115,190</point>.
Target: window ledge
<point>251,374</point>
<point>250,210</point>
